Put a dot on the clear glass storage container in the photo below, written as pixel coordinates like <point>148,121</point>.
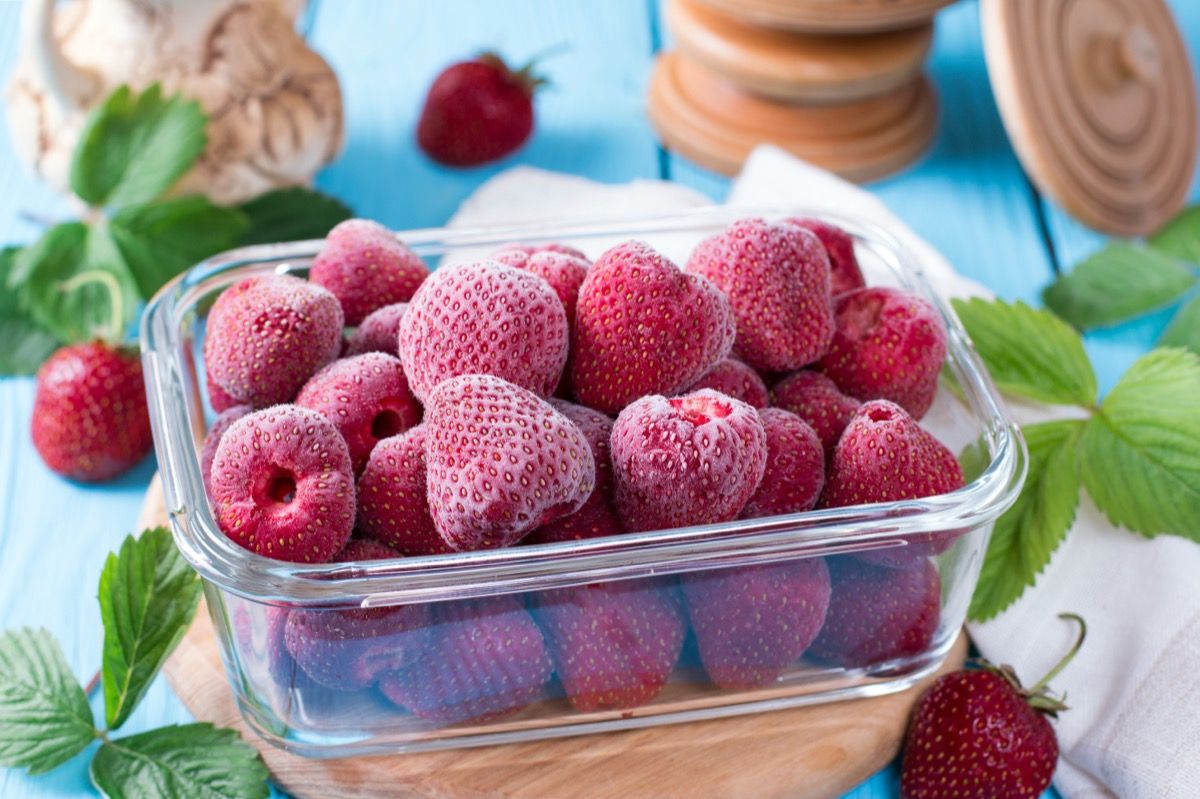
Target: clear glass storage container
<point>474,648</point>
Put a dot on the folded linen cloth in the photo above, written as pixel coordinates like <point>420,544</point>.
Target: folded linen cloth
<point>1133,730</point>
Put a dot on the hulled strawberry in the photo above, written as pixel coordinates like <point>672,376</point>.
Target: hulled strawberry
<point>844,271</point>
<point>816,399</point>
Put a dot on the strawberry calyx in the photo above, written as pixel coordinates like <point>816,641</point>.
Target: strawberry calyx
<point>114,332</point>
<point>525,77</point>
<point>1039,696</point>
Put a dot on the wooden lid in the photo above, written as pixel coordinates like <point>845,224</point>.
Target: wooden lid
<point>714,123</point>
<point>832,16</point>
<point>1100,103</point>
<point>798,67</point>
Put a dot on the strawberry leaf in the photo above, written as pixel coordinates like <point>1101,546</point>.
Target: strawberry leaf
<point>148,596</point>
<point>1119,282</point>
<point>135,146</point>
<point>292,214</point>
<point>1028,352</point>
<point>26,343</point>
<point>1027,534</point>
<point>1184,330</point>
<point>45,719</point>
<point>1180,237</point>
<point>190,761</point>
<point>1141,460</point>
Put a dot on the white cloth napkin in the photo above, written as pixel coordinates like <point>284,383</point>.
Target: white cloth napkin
<point>1133,730</point>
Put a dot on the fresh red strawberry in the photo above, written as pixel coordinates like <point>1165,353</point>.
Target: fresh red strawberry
<point>392,504</point>
<point>484,318</point>
<point>367,399</point>
<point>886,456</point>
<point>735,379</point>
<point>843,264</point>
<point>777,280</point>
<point>379,332</point>
<point>878,613</point>
<point>366,267</point>
<point>486,659</point>
<point>980,735</point>
<point>613,644</point>
<point>688,460</point>
<point>501,462</point>
<point>90,420</point>
<point>795,470</point>
<point>282,485</point>
<point>267,335</point>
<point>752,622</point>
<point>208,450</point>
<point>816,399</point>
<point>888,344</point>
<point>598,516</point>
<point>643,326</point>
<point>477,111</point>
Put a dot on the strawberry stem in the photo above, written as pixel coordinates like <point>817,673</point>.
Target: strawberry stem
<point>1067,658</point>
<point>116,298</point>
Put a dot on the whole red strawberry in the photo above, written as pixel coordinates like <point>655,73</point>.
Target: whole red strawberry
<point>477,111</point>
<point>980,735</point>
<point>90,421</point>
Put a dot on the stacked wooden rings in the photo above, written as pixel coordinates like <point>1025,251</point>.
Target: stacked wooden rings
<point>837,83</point>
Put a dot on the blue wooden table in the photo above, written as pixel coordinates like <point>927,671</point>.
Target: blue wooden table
<point>969,198</point>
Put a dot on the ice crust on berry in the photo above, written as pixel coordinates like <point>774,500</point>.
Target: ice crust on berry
<point>735,379</point>
<point>379,332</point>
<point>392,503</point>
<point>366,267</point>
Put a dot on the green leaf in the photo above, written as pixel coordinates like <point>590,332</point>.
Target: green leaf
<point>44,715</point>
<point>292,214</point>
<point>1027,534</point>
<point>161,239</point>
<point>1141,453</point>
<point>1029,352</point>
<point>1119,282</point>
<point>135,146</point>
<point>191,761</point>
<point>148,595</point>
<point>1181,236</point>
<point>26,343</point>
<point>1184,330</point>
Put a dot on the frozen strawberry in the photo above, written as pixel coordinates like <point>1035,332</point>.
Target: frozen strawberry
<point>795,470</point>
<point>889,344</point>
<point>878,613</point>
<point>367,399</point>
<point>366,267</point>
<point>643,326</point>
<point>392,506</point>
<point>613,644</point>
<point>501,462</point>
<point>348,650</point>
<point>485,659</point>
<point>816,399</point>
<point>735,379</point>
<point>267,335</point>
<point>208,450</point>
<point>530,249</point>
<point>379,332</point>
<point>90,420</point>
<point>565,273</point>
<point>752,622</point>
<point>218,398</point>
<point>777,280</point>
<point>484,318</point>
<point>282,485</point>
<point>365,549</point>
<point>598,516</point>
<point>843,264</point>
<point>886,456</point>
<point>695,459</point>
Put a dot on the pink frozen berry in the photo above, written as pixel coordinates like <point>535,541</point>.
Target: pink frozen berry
<point>484,318</point>
<point>688,460</point>
<point>735,379</point>
<point>267,335</point>
<point>379,332</point>
<point>367,399</point>
<point>598,516</point>
<point>218,398</point>
<point>565,273</point>
<point>777,280</point>
<point>365,549</point>
<point>392,506</point>
<point>530,249</point>
<point>795,470</point>
<point>816,399</point>
<point>208,450</point>
<point>282,485</point>
<point>501,462</point>
<point>366,267</point>
<point>843,264</point>
<point>889,344</point>
<point>643,326</point>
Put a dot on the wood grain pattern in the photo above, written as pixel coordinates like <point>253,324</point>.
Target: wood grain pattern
<point>833,16</point>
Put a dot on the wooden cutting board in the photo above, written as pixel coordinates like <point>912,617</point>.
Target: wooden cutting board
<point>815,752</point>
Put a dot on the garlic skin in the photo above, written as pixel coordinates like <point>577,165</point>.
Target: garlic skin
<point>274,104</point>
